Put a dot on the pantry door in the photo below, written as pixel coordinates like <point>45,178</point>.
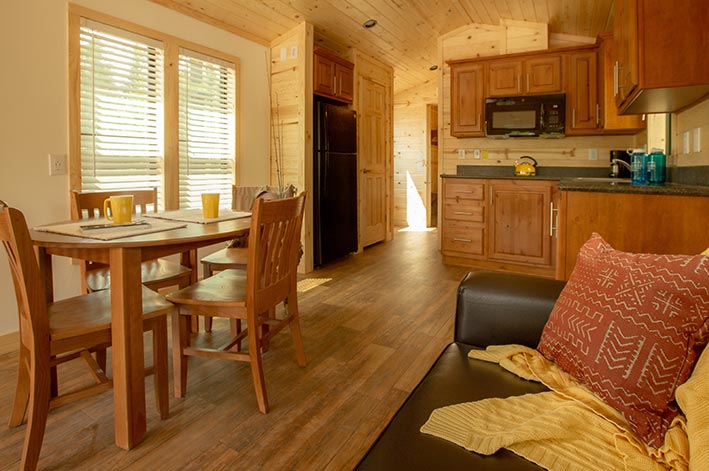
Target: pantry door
<point>372,152</point>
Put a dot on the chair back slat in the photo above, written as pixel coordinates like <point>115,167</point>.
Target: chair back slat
<point>26,278</point>
<point>274,240</point>
<point>90,204</point>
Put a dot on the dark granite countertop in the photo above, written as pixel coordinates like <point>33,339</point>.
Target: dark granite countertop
<point>568,178</point>
<point>677,189</point>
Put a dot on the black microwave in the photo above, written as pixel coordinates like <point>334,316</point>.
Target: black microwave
<point>525,116</point>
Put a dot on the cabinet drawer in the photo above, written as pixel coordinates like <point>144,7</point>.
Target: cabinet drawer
<point>464,191</point>
<point>464,238</point>
<point>464,212</point>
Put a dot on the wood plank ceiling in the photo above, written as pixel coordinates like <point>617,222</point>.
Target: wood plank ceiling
<point>407,30</point>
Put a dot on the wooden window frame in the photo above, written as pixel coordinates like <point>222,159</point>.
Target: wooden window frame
<point>171,47</point>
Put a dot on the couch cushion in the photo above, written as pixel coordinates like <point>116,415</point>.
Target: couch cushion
<point>630,327</point>
<point>453,379</point>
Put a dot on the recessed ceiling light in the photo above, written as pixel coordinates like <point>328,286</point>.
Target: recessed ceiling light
<point>433,67</point>
<point>370,23</point>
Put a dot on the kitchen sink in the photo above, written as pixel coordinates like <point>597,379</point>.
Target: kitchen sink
<point>612,181</point>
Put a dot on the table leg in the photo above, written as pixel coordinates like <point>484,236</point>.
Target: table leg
<point>127,344</point>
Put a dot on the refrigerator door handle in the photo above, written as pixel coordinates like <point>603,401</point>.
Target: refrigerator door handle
<point>325,167</point>
<point>326,128</point>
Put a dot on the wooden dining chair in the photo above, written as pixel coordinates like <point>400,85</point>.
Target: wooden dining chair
<point>155,274</point>
<point>235,255</point>
<point>54,333</point>
<point>250,295</point>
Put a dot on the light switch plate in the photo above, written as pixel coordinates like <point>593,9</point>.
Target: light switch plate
<point>461,154</point>
<point>696,140</point>
<point>685,142</point>
<point>592,154</point>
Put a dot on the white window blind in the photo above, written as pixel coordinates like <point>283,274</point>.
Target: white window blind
<point>121,109</point>
<point>207,120</point>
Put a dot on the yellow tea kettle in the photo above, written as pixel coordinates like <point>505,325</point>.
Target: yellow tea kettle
<point>525,169</point>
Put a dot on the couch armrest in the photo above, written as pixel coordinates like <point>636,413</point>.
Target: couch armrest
<point>504,308</point>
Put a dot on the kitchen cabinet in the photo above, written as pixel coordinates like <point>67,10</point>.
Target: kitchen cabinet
<point>534,75</point>
<point>519,225</point>
<point>659,54</point>
<point>333,77</point>
<point>499,224</point>
<point>463,228</point>
<point>648,223</point>
<point>582,105</point>
<point>611,121</point>
<point>467,100</point>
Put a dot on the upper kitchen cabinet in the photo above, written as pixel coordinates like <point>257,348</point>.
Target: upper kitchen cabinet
<point>659,63</point>
<point>582,103</point>
<point>533,75</point>
<point>611,121</point>
<point>467,98</point>
<point>333,77</point>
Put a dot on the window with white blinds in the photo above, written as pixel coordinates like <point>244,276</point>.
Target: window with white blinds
<point>207,114</point>
<point>121,107</point>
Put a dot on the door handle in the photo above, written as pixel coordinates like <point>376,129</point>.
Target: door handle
<point>365,170</point>
<point>553,223</point>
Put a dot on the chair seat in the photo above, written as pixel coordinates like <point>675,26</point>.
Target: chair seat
<point>228,257</point>
<point>225,289</point>
<point>90,313</point>
<point>151,271</point>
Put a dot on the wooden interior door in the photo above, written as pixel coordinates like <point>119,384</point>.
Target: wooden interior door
<point>432,165</point>
<point>372,153</point>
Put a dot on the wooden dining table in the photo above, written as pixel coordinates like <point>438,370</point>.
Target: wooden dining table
<point>124,256</point>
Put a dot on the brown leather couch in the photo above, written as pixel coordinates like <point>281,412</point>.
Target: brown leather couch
<point>492,309</point>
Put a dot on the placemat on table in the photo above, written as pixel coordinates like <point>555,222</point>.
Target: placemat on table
<point>118,231</point>
<point>195,215</point>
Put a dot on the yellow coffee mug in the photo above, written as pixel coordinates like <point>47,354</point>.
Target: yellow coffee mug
<point>210,205</point>
<point>121,209</point>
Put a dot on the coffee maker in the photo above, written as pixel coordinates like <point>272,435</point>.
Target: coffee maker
<point>616,170</point>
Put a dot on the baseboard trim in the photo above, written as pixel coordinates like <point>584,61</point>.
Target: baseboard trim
<point>9,342</point>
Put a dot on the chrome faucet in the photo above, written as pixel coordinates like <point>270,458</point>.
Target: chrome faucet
<point>615,170</point>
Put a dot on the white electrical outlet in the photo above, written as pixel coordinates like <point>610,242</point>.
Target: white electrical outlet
<point>461,154</point>
<point>476,154</point>
<point>592,154</point>
<point>294,52</point>
<point>696,140</point>
<point>57,164</point>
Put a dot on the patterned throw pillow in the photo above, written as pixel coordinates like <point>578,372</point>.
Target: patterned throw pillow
<point>631,327</point>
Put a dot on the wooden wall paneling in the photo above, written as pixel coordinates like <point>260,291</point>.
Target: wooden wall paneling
<point>292,95</point>
<point>524,36</point>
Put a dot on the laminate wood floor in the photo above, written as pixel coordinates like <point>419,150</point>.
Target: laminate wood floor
<point>370,334</point>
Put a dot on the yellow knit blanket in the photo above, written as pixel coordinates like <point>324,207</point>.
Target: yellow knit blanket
<point>570,428</point>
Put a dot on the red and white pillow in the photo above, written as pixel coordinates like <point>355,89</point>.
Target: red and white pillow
<point>630,327</point>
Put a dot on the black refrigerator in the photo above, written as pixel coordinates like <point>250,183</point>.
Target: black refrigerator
<point>335,182</point>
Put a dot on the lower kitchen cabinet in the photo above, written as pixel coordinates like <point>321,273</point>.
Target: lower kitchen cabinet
<point>520,213</point>
<point>638,223</point>
<point>499,224</point>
